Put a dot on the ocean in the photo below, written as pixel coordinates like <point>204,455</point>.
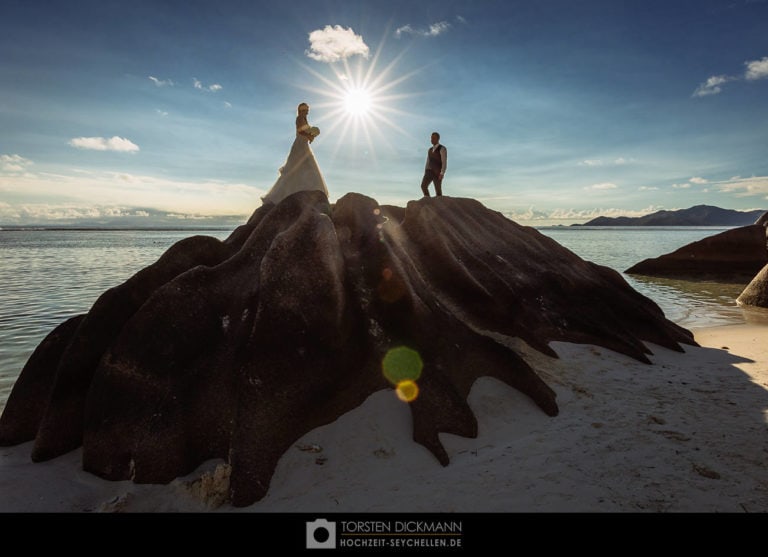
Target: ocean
<point>50,275</point>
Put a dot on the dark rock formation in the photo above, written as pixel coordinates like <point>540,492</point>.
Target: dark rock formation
<point>235,349</point>
<point>756,292</point>
<point>736,254</point>
<point>700,215</point>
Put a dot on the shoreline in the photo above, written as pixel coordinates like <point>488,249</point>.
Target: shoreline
<point>687,433</point>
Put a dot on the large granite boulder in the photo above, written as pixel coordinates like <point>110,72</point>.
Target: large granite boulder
<point>756,292</point>
<point>736,254</point>
<point>236,349</point>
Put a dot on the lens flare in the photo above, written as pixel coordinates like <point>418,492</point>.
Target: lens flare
<point>407,390</point>
<point>402,364</point>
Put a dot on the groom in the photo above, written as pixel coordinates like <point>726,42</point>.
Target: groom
<point>437,162</point>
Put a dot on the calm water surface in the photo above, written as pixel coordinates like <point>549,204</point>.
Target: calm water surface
<point>47,276</point>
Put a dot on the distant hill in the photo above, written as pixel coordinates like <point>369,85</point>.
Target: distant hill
<point>700,215</point>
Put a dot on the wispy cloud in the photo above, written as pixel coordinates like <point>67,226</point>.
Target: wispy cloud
<point>119,144</point>
<point>81,191</point>
<point>648,188</point>
<point>434,30</point>
<point>695,181</point>
<point>712,86</point>
<point>599,162</point>
<point>161,82</point>
<point>214,88</point>
<point>745,187</point>
<point>601,187</point>
<point>334,43</point>
<point>757,69</point>
<point>106,215</point>
<point>162,113</point>
<point>577,215</point>
<point>622,161</point>
<point>196,83</point>
<point>14,163</point>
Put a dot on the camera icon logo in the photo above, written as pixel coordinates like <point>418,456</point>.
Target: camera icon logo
<point>321,534</point>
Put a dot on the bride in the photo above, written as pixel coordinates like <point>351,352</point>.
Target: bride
<point>300,171</point>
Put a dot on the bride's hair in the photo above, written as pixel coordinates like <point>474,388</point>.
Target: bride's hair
<point>302,104</point>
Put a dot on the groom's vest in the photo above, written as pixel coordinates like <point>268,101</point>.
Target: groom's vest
<point>435,160</point>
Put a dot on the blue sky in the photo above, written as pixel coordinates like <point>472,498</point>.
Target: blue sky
<point>181,112</point>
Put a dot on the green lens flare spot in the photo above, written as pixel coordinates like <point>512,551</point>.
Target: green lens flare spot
<point>402,364</point>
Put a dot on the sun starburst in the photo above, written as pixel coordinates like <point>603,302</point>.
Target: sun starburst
<point>359,101</point>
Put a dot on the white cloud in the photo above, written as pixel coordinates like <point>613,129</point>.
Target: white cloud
<point>115,143</point>
<point>757,69</point>
<point>162,113</point>
<point>14,163</point>
<point>602,186</point>
<point>576,215</point>
<point>215,88</point>
<point>622,161</point>
<point>599,162</point>
<point>227,104</point>
<point>695,181</point>
<point>712,86</point>
<point>334,43</point>
<point>745,187</point>
<point>433,30</point>
<point>161,82</point>
<point>404,29</point>
<point>438,28</point>
<point>86,193</point>
<point>36,213</point>
<point>648,188</point>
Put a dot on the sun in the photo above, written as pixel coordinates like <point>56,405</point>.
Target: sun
<point>357,101</point>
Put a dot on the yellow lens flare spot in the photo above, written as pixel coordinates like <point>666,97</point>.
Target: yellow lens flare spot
<point>402,364</point>
<point>407,390</point>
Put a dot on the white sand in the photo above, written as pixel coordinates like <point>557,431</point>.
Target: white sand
<point>686,434</point>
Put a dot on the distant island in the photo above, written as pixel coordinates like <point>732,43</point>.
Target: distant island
<point>700,215</point>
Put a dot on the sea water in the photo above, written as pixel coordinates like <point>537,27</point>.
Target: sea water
<point>47,276</point>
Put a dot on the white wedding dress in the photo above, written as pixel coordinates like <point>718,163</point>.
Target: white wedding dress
<point>300,171</point>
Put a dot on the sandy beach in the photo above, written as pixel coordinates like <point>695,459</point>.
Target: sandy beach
<point>688,433</point>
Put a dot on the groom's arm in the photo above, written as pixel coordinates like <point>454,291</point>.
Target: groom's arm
<point>444,157</point>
